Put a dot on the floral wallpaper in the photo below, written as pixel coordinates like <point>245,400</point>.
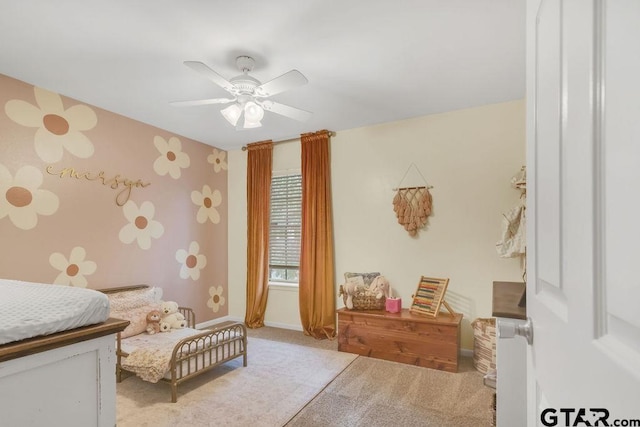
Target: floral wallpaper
<point>93,199</point>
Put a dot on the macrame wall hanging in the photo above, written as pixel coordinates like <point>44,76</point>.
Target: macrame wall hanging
<point>412,205</point>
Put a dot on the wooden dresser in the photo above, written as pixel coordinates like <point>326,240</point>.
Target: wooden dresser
<point>401,337</point>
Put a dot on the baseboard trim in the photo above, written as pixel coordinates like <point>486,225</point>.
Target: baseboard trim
<point>283,326</point>
<point>466,352</point>
<point>214,322</point>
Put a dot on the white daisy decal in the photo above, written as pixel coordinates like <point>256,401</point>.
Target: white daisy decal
<point>142,227</point>
<point>208,201</point>
<point>22,199</point>
<point>216,300</point>
<point>74,270</point>
<point>57,129</point>
<point>172,160</point>
<point>217,158</point>
<point>192,261</point>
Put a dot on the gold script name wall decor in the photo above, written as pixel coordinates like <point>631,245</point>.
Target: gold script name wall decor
<point>114,182</point>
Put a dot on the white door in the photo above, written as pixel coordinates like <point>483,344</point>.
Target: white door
<point>583,206</point>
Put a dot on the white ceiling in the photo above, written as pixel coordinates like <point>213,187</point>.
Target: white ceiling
<point>367,61</point>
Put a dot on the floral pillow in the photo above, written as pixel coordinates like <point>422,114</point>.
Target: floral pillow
<point>128,300</point>
<point>134,306</point>
<point>137,318</point>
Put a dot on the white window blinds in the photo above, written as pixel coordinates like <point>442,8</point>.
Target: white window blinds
<point>285,228</point>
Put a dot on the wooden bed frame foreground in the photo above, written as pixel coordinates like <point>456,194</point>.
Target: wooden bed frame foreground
<point>194,355</point>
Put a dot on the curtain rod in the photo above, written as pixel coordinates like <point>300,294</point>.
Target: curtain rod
<point>331,133</point>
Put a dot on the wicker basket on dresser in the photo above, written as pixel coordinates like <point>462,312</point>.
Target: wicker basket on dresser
<point>432,342</point>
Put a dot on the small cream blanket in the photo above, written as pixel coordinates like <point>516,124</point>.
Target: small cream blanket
<point>150,355</point>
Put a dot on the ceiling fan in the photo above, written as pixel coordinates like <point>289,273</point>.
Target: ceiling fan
<point>249,96</point>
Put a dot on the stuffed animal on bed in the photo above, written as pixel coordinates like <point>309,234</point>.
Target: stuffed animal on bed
<point>171,317</point>
<point>153,322</point>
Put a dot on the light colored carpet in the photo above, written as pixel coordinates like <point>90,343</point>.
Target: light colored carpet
<point>287,369</point>
<point>279,380</point>
<point>373,392</point>
<point>292,337</point>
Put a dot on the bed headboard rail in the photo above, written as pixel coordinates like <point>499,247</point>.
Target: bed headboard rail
<point>122,289</point>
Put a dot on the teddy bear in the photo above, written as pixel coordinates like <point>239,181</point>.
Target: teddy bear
<point>171,317</point>
<point>153,321</point>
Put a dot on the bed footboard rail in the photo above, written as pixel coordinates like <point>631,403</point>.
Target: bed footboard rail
<point>200,353</point>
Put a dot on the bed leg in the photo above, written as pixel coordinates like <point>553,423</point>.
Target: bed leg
<point>174,393</point>
<point>244,345</point>
<point>119,358</point>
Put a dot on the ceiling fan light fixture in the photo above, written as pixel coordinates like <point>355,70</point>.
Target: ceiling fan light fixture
<point>253,112</point>
<point>249,124</point>
<point>232,113</point>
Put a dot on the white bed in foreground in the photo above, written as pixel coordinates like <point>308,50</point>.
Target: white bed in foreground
<point>51,376</point>
<point>29,310</point>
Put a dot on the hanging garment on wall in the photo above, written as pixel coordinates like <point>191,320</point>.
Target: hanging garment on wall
<point>513,242</point>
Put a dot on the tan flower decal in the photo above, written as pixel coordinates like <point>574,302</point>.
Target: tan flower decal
<point>22,199</point>
<point>217,158</point>
<point>74,270</point>
<point>208,201</point>
<point>172,160</point>
<point>192,261</point>
<point>216,300</point>
<point>57,129</point>
<point>142,227</point>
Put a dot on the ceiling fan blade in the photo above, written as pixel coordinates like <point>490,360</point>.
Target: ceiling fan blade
<point>286,110</point>
<point>202,102</point>
<point>211,75</point>
<point>293,78</point>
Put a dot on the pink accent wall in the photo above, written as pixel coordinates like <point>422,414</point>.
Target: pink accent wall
<point>81,236</point>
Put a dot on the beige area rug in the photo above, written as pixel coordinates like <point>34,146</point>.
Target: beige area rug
<point>279,380</point>
<point>372,392</point>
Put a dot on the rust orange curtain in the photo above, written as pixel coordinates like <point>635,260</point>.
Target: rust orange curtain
<point>317,290</point>
<point>259,161</point>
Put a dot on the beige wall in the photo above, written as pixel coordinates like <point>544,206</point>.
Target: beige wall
<point>469,157</point>
<point>82,232</point>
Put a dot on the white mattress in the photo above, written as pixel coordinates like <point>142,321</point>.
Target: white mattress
<point>32,309</point>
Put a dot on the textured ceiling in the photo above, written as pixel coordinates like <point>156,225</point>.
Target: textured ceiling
<point>367,62</point>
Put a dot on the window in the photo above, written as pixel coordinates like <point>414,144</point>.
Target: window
<point>285,228</point>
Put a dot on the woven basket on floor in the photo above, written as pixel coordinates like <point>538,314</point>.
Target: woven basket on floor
<point>484,344</point>
<point>493,410</point>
